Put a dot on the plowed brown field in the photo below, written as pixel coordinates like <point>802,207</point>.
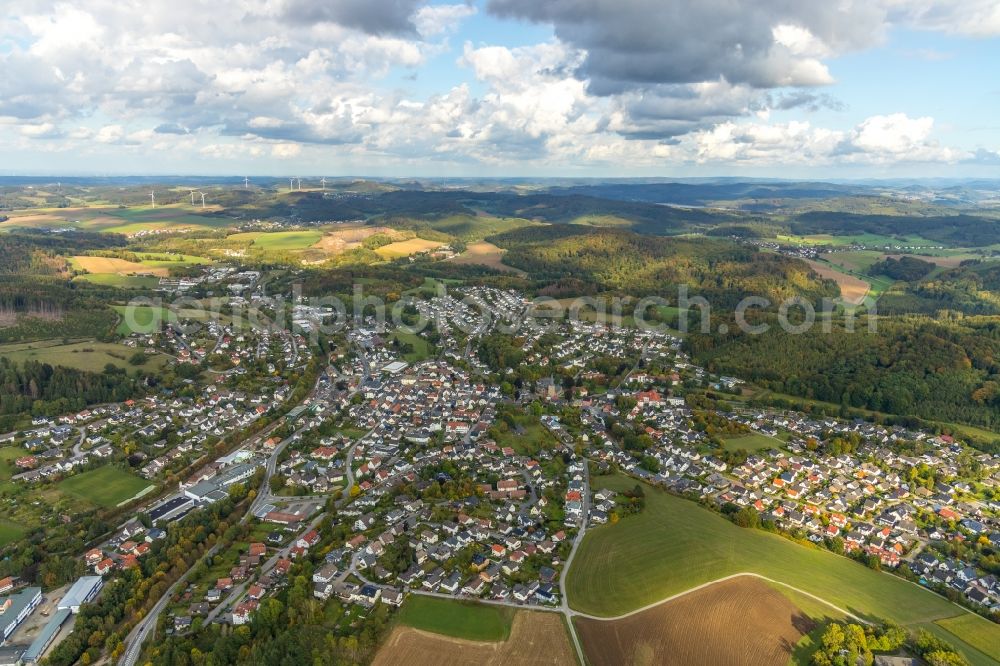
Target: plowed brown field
<point>742,621</point>
<point>852,289</point>
<point>536,639</point>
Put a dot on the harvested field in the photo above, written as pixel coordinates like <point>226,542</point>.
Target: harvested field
<point>535,639</point>
<point>118,266</point>
<point>709,626</point>
<point>485,254</point>
<point>852,289</point>
<point>349,238</point>
<point>406,248</point>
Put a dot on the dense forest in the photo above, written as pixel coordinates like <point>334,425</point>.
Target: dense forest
<point>946,371</point>
<point>957,230</point>
<point>614,260</point>
<point>26,253</point>
<point>909,269</point>
<point>43,390</point>
<point>429,205</point>
<point>36,307</point>
<point>972,288</point>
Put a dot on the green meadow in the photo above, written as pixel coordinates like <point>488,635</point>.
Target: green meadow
<point>461,619</point>
<point>675,544</point>
<point>105,486</point>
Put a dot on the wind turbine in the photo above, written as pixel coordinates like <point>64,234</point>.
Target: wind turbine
<point>152,199</point>
<point>323,182</point>
<point>246,183</point>
<point>300,183</point>
<point>291,182</point>
<point>192,197</point>
<point>202,199</point>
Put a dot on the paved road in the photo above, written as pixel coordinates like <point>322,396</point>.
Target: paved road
<point>134,641</point>
<point>137,637</point>
<point>564,600</point>
<point>235,596</point>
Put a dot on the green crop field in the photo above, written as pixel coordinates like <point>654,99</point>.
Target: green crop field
<point>121,281</point>
<point>165,260</point>
<point>461,619</point>
<point>974,630</point>
<point>751,442</point>
<point>144,218</point>
<point>90,356</point>
<point>674,545</point>
<point>105,486</point>
<point>141,318</point>
<point>279,240</point>
<point>854,260</point>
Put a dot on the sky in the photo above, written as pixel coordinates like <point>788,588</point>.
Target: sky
<point>586,88</point>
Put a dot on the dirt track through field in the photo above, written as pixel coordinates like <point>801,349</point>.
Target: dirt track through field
<point>536,639</point>
<point>740,621</point>
<point>852,289</point>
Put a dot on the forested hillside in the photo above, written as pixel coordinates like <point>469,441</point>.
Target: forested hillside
<point>41,307</point>
<point>39,253</point>
<point>934,370</point>
<point>43,390</point>
<point>972,288</point>
<point>614,260</point>
<point>905,268</point>
<point>958,230</point>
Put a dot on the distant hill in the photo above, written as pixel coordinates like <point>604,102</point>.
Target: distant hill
<point>617,260</point>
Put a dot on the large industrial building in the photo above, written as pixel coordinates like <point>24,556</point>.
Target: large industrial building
<point>83,590</point>
<point>14,609</point>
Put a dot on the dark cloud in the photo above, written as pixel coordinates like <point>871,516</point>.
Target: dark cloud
<point>686,103</point>
<point>671,110</point>
<point>375,17</point>
<point>634,44</point>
